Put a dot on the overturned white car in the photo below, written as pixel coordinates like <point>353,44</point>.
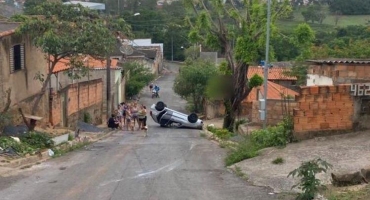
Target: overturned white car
<point>168,117</point>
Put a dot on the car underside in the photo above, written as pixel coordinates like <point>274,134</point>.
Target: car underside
<point>166,117</point>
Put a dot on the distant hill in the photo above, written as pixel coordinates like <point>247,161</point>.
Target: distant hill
<point>8,11</point>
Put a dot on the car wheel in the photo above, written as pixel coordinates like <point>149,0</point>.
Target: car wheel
<point>192,118</point>
<point>159,106</point>
<point>162,125</point>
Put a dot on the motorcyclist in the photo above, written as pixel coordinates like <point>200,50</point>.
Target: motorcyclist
<point>156,90</point>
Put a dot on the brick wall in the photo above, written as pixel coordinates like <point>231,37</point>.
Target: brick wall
<point>276,110</point>
<point>213,109</point>
<point>82,97</point>
<point>246,108</point>
<point>342,73</point>
<point>323,108</point>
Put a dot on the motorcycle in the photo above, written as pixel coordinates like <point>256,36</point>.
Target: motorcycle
<point>155,94</point>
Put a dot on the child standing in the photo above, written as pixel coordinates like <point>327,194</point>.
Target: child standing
<point>129,119</point>
<point>142,119</point>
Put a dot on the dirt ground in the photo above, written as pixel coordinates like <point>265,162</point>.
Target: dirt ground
<point>347,153</point>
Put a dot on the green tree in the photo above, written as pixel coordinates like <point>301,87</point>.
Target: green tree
<point>30,5</point>
<point>192,80</point>
<point>314,13</point>
<point>303,39</point>
<point>67,31</point>
<point>139,76</point>
<point>218,24</point>
<point>192,53</point>
<point>164,25</point>
<point>353,7</point>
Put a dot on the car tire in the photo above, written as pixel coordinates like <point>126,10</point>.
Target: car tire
<point>192,118</point>
<point>159,106</point>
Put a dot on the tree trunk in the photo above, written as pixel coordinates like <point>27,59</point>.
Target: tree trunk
<point>31,125</point>
<point>8,101</point>
<point>43,89</point>
<point>195,103</point>
<point>229,118</point>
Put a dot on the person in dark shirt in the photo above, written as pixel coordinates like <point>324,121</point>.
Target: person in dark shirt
<point>113,123</point>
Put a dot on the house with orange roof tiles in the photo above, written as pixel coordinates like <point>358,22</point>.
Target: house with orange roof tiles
<point>275,74</point>
<point>278,89</point>
<point>82,91</point>
<point>280,101</point>
<point>20,62</point>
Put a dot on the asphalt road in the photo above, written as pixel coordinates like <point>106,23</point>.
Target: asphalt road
<point>170,163</point>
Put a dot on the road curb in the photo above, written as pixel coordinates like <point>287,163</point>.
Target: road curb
<point>213,137</point>
<point>44,155</point>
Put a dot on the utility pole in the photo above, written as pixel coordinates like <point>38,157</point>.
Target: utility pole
<point>266,65</point>
<point>172,48</point>
<point>108,87</point>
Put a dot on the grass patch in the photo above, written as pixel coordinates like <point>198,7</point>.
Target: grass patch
<point>278,161</point>
<point>61,151</point>
<point>359,192</point>
<point>223,134</point>
<point>243,151</point>
<point>238,171</point>
<point>223,144</point>
<point>277,136</point>
<point>327,25</point>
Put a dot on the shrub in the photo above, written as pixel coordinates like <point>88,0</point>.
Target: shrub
<point>243,151</point>
<point>255,81</point>
<point>37,140</point>
<point>272,136</point>
<point>309,184</point>
<point>223,134</point>
<point>278,160</point>
<point>139,77</point>
<point>240,122</point>
<point>20,148</point>
<point>288,125</point>
<point>278,135</point>
<point>133,87</point>
<point>87,117</point>
<point>211,129</point>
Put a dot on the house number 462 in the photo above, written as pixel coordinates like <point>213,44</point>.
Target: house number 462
<point>360,89</point>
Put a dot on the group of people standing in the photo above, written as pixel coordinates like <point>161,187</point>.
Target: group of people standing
<point>127,115</point>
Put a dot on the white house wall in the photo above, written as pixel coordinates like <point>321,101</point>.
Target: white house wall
<point>314,79</point>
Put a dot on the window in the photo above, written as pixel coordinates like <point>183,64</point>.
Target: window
<point>16,58</point>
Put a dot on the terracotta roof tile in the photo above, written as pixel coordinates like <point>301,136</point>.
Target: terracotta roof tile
<point>275,73</point>
<point>92,63</point>
<point>7,28</point>
<point>274,91</point>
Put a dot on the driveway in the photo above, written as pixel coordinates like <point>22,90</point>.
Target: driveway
<point>168,164</point>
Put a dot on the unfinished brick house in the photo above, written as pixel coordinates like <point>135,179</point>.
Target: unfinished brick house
<point>337,98</point>
<point>338,71</point>
<point>72,99</point>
